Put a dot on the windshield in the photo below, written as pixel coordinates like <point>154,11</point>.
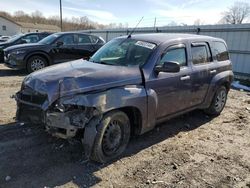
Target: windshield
<point>124,52</point>
<point>15,37</point>
<point>49,39</point>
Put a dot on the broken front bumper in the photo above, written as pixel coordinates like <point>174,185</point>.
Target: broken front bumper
<point>27,110</point>
<point>65,124</point>
<point>58,122</point>
<point>62,117</point>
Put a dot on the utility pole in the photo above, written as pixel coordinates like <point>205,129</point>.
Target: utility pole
<point>61,14</point>
<point>155,22</point>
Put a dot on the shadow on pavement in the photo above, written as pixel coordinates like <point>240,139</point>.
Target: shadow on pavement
<point>10,72</point>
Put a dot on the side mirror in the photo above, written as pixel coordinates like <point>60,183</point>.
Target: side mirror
<point>59,43</point>
<point>169,66</point>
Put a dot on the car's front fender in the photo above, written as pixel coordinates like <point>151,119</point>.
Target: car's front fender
<point>104,101</point>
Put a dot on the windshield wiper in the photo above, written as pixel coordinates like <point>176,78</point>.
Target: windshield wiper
<point>101,62</point>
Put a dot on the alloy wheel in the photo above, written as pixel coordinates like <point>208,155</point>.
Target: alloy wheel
<point>220,100</point>
<point>37,64</point>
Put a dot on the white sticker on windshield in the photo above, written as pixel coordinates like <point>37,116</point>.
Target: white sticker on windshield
<point>145,44</point>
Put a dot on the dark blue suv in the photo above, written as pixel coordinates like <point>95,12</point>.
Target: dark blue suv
<point>56,48</point>
<point>127,87</point>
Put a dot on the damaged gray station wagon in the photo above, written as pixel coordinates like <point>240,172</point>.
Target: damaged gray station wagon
<point>127,87</point>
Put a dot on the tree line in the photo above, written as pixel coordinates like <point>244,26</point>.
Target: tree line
<point>75,23</point>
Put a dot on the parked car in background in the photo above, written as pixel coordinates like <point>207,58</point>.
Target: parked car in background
<point>56,48</point>
<point>21,39</point>
<point>127,87</point>
<point>4,38</point>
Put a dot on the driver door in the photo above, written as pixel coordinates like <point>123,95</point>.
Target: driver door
<point>173,89</point>
<point>66,51</point>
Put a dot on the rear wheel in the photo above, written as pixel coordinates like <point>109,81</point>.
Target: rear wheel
<point>218,101</point>
<point>112,137</point>
<point>36,63</point>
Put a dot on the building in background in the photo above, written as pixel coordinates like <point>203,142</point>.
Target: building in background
<point>9,27</point>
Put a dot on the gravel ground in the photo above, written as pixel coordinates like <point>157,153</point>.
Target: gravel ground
<point>193,150</point>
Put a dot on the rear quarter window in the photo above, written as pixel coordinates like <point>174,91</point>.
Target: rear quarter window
<point>220,51</point>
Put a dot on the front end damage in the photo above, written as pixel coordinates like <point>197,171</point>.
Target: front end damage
<point>64,122</point>
<point>60,120</point>
<point>70,99</point>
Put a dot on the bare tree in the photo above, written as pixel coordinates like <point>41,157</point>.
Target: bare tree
<point>19,13</point>
<point>37,14</point>
<point>37,17</point>
<point>199,22</point>
<point>237,13</point>
<point>173,23</point>
<point>5,14</point>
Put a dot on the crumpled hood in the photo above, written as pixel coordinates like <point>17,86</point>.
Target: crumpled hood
<point>80,76</point>
<point>24,46</point>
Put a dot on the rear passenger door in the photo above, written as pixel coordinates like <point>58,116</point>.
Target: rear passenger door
<point>203,71</point>
<point>85,48</point>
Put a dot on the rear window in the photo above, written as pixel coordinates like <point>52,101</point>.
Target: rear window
<point>220,51</point>
<point>200,53</point>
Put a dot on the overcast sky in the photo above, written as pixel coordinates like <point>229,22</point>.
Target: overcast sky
<point>127,11</point>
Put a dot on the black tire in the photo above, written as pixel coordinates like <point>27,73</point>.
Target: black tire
<point>218,102</point>
<point>112,137</point>
<point>35,63</point>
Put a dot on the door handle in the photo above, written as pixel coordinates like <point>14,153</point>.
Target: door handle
<point>213,71</point>
<point>185,78</point>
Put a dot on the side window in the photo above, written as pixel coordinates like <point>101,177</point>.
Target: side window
<point>31,38</point>
<point>177,55</point>
<point>67,39</point>
<point>4,28</point>
<point>83,39</point>
<point>200,53</point>
<point>220,50</point>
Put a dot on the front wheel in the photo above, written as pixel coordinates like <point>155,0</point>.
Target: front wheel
<point>36,63</point>
<point>218,101</point>
<point>112,137</point>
